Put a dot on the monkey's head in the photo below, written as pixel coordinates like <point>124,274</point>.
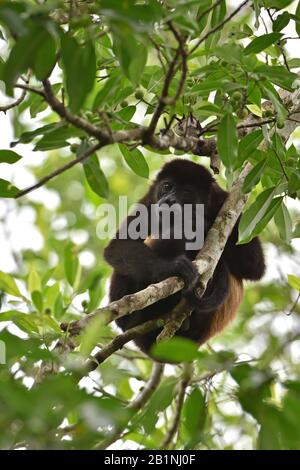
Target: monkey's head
<point>180,191</point>
<point>182,182</point>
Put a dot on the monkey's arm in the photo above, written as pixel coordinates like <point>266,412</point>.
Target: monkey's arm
<point>134,259</point>
<point>244,261</point>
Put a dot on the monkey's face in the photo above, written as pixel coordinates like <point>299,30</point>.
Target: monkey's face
<point>180,210</point>
<point>170,192</point>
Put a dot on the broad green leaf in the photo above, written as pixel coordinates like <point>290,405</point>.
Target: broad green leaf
<point>281,21</point>
<point>294,182</point>
<point>256,217</point>
<point>37,300</point>
<point>160,400</point>
<point>71,263</point>
<point>248,145</point>
<point>7,189</point>
<point>277,74</point>
<point>95,176</point>
<point>80,74</point>
<point>8,285</point>
<point>8,156</point>
<point>294,282</point>
<point>135,160</point>
<point>131,53</point>
<point>217,16</point>
<point>23,54</point>
<point>108,89</point>
<point>45,58</point>
<point>57,137</point>
<point>136,15</point>
<point>278,4</point>
<point>176,350</point>
<point>294,63</point>
<point>228,140</point>
<point>284,223</point>
<point>261,42</point>
<point>11,17</point>
<point>194,413</point>
<point>254,176</point>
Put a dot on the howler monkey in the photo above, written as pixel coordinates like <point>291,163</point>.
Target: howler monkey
<point>140,261</point>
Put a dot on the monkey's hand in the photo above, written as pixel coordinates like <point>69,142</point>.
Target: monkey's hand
<point>182,267</point>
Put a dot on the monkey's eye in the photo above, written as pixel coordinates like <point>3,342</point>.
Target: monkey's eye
<point>166,187</point>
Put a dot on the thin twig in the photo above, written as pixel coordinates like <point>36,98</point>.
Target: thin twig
<point>15,103</point>
<point>59,170</point>
<point>219,26</point>
<point>186,378</point>
<point>149,388</point>
<point>119,341</point>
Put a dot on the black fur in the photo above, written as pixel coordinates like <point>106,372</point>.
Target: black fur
<point>136,265</point>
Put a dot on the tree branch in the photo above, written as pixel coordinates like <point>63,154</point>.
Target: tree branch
<point>149,388</point>
<point>60,170</point>
<point>219,26</point>
<point>186,378</point>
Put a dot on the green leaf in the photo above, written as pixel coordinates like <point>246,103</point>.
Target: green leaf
<point>272,95</point>
<point>254,176</point>
<point>161,398</point>
<point>34,281</point>
<point>8,285</point>
<point>79,62</point>
<point>176,349</point>
<point>261,42</point>
<point>205,87</point>
<point>8,156</point>
<point>135,160</point>
<point>228,140</point>
<point>23,54</point>
<point>284,223</point>
<point>37,300</point>
<point>281,21</point>
<point>248,145</point>
<point>296,233</point>
<point>109,89</point>
<point>256,217</point>
<point>294,182</point>
<point>7,189</point>
<point>278,4</point>
<point>294,63</point>
<point>95,176</point>
<point>71,263</point>
<point>278,75</point>
<point>45,58</point>
<point>194,413</point>
<point>294,282</point>
<point>131,53</point>
<point>297,24</point>
<point>92,334</point>
<point>58,137</point>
